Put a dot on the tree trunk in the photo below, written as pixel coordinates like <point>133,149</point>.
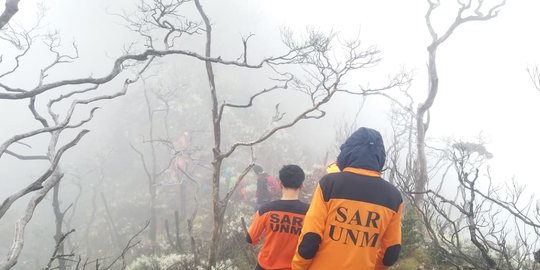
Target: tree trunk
<point>115,235</point>
<point>152,175</point>
<point>59,217</point>
<point>219,210</point>
<point>153,218</point>
<point>422,126</point>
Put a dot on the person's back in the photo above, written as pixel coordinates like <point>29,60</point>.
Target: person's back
<point>262,193</point>
<point>355,216</point>
<point>280,222</point>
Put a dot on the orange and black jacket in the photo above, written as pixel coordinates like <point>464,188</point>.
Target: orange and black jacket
<point>280,222</point>
<point>354,220</point>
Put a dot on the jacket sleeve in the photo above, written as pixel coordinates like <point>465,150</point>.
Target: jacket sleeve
<point>312,232</point>
<point>391,243</point>
<point>256,229</point>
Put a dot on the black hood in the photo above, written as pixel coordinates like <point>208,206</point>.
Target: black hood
<point>363,149</point>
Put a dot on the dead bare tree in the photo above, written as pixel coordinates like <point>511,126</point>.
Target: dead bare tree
<point>481,226</point>
<point>52,177</point>
<point>76,262</point>
<point>468,11</point>
<point>152,170</point>
<point>400,153</point>
<point>53,123</point>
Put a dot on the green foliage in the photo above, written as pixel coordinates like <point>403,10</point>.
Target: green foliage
<point>419,258</point>
<point>233,244</point>
<point>470,147</point>
<point>411,232</point>
<point>407,264</point>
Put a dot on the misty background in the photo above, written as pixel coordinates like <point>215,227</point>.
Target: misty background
<point>164,121</point>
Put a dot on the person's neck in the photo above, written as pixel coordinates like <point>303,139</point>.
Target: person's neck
<point>289,194</point>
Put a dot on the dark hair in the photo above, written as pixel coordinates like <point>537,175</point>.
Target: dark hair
<point>291,176</point>
<point>257,169</point>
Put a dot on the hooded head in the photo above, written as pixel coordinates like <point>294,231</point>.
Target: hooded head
<point>363,149</point>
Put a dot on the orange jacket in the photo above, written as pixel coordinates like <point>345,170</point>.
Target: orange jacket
<point>280,222</point>
<point>353,222</point>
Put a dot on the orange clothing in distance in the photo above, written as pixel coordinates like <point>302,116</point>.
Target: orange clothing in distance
<point>280,222</point>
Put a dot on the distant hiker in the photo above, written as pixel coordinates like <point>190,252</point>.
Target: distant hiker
<point>354,220</point>
<point>267,187</point>
<point>279,222</point>
<point>231,177</point>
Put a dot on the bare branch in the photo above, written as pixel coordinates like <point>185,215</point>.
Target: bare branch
<point>303,115</point>
<point>253,97</point>
<point>534,74</point>
<point>28,41</point>
<point>11,258</point>
<point>245,42</point>
<point>461,19</point>
<point>143,160</point>
<point>35,113</point>
<point>129,245</point>
<point>118,67</point>
<point>25,157</point>
<point>54,256</point>
<point>37,184</point>
<point>421,174</point>
<point>239,181</point>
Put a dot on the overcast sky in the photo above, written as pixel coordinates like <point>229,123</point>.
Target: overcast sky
<point>484,86</point>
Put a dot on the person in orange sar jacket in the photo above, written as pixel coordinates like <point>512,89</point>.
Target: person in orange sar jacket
<point>354,220</point>
<point>280,222</point>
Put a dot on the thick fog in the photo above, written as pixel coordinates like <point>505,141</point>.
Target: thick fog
<point>150,154</point>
